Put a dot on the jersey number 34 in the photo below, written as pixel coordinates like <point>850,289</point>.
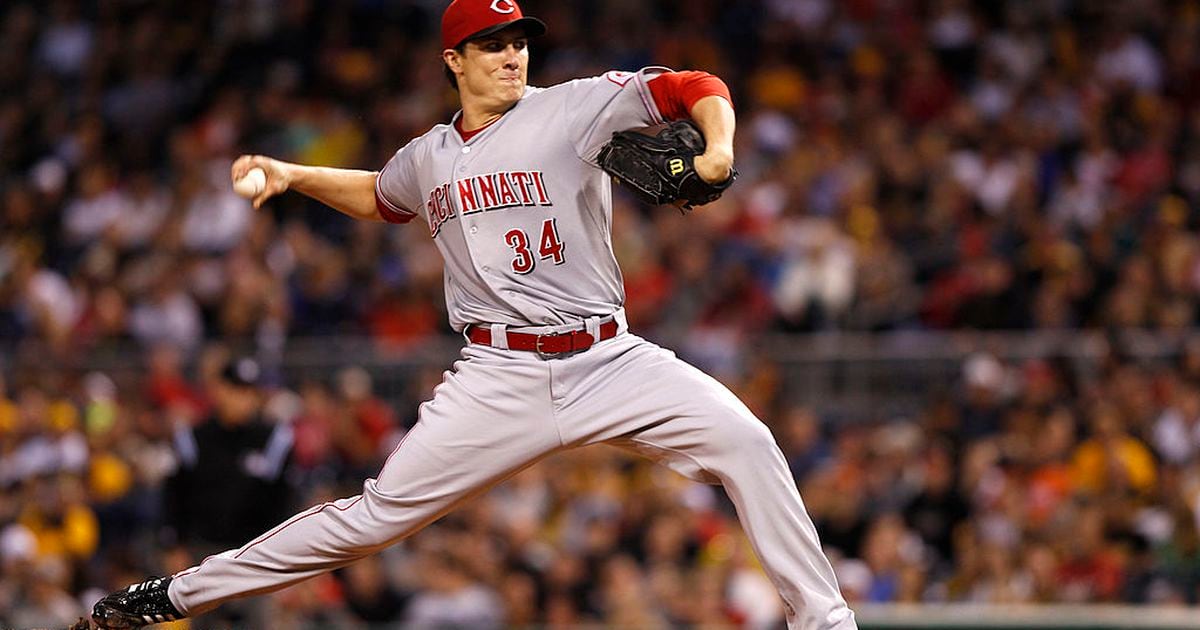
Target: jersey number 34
<point>550,247</point>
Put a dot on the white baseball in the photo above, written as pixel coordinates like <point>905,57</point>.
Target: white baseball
<point>251,184</point>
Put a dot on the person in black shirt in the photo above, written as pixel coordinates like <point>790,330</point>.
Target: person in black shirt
<point>229,485</point>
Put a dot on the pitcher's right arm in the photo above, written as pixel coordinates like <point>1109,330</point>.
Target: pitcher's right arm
<point>349,191</point>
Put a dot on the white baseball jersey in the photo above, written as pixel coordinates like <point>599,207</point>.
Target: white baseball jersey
<point>521,213</point>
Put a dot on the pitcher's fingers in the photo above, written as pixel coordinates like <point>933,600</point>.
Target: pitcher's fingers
<point>245,163</point>
<point>240,167</point>
<point>272,188</point>
<point>261,198</point>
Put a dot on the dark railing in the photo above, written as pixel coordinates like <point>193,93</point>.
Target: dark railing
<point>852,373</point>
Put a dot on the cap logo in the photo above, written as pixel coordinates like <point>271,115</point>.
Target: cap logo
<point>503,6</point>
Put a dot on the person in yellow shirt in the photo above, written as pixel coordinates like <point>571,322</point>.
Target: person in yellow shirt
<point>60,521</point>
<point>1112,459</point>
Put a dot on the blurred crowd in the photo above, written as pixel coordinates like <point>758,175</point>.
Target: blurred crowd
<point>906,164</point>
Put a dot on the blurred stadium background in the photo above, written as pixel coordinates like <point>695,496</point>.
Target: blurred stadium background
<point>958,279</point>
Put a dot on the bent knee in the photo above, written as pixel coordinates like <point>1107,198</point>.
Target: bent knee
<point>749,435</point>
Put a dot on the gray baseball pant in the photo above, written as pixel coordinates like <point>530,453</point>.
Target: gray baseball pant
<point>499,411</point>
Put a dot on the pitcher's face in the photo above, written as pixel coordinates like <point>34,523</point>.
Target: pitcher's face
<point>494,68</point>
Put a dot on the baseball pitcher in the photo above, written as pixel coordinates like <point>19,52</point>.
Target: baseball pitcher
<point>513,194</point>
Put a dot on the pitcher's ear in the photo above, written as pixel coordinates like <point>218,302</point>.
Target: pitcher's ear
<point>453,59</point>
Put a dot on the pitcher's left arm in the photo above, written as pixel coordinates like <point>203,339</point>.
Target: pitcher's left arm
<point>705,99</point>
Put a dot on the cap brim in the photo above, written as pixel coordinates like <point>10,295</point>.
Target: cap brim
<point>533,28</point>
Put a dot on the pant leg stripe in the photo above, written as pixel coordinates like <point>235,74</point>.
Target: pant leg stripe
<point>314,510</point>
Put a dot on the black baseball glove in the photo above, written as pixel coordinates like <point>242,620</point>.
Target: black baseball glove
<point>658,168</point>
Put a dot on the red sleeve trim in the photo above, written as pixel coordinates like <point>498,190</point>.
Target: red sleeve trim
<point>389,211</point>
<point>676,92</point>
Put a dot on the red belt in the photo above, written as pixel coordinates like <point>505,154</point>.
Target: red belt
<point>556,343</point>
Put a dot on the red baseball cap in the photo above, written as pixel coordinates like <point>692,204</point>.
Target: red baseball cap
<point>468,19</point>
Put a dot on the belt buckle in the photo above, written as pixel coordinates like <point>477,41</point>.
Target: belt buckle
<point>537,347</point>
<point>537,344</point>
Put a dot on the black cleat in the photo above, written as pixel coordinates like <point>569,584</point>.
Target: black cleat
<point>135,606</point>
